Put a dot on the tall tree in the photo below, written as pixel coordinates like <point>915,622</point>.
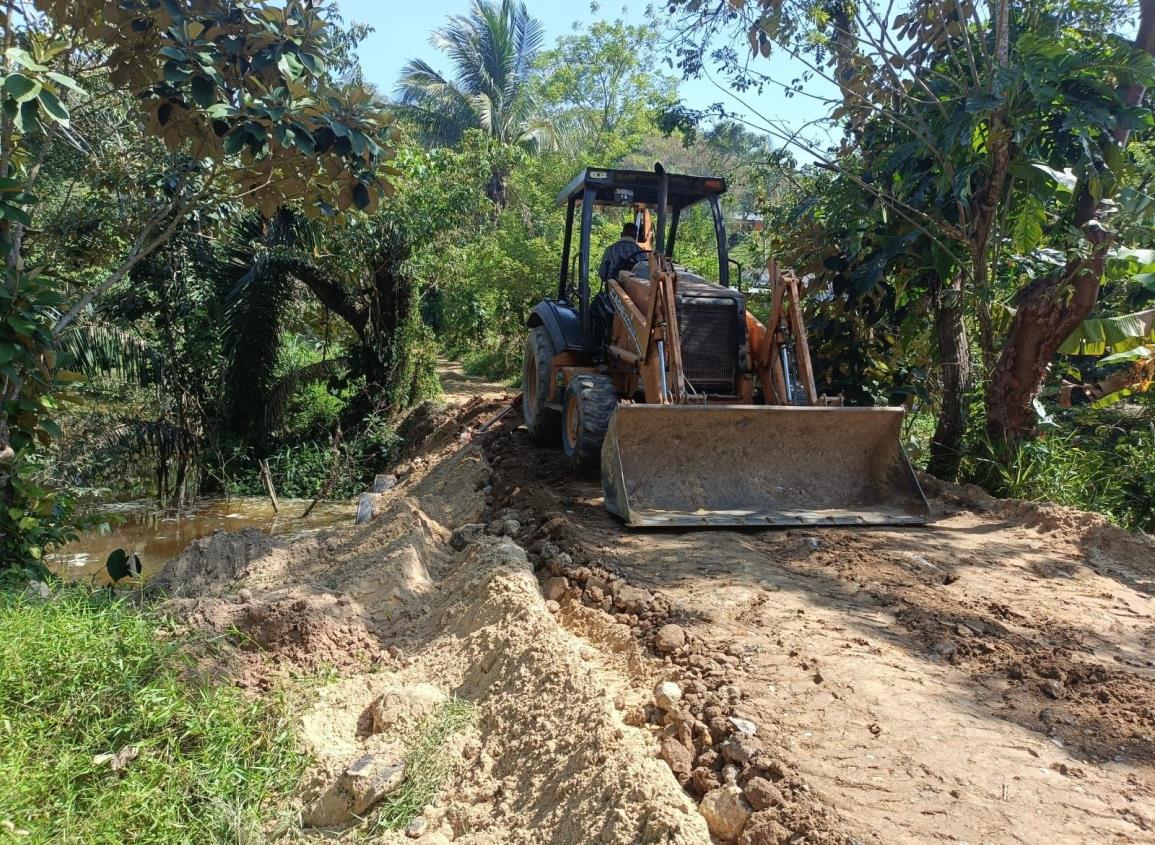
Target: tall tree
<point>492,50</point>
<point>238,92</point>
<point>955,112</point>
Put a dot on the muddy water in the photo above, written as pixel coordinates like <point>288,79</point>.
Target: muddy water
<point>157,536</point>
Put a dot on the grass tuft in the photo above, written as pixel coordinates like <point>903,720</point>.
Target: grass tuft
<point>428,764</point>
<point>83,675</point>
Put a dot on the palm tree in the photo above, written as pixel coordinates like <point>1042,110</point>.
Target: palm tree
<point>492,50</point>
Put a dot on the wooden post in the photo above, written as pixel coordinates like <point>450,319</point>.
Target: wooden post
<point>801,346</point>
<point>268,479</point>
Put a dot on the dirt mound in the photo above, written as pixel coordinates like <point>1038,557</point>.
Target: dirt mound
<point>406,619</point>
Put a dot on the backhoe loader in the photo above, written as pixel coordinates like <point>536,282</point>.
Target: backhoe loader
<point>696,412</point>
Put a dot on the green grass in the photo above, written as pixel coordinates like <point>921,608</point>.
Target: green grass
<point>81,675</point>
<point>502,363</point>
<point>428,764</point>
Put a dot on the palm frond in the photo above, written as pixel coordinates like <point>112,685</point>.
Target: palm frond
<point>492,49</point>
<point>99,348</point>
<point>159,438</point>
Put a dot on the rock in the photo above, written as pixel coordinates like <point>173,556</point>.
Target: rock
<point>595,595</point>
<point>719,728</point>
<point>548,551</point>
<point>552,606</point>
<point>764,829</point>
<point>635,717</point>
<point>946,648</point>
<point>678,757</point>
<point>667,696</point>
<point>726,812</point>
<point>709,758</point>
<point>762,794</point>
<point>554,588</point>
<point>744,726</point>
<point>510,527</point>
<point>403,707</point>
<point>702,780</point>
<point>416,828</point>
<point>730,775</point>
<point>563,560</point>
<point>466,534</point>
<point>599,582</point>
<point>1052,688</point>
<point>739,748</point>
<point>669,638</point>
<point>369,779</point>
<point>635,599</point>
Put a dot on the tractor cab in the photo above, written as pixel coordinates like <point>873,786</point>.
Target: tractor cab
<point>572,313</point>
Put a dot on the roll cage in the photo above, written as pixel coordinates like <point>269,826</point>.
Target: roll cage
<point>637,189</point>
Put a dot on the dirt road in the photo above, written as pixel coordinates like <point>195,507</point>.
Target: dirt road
<point>987,678</point>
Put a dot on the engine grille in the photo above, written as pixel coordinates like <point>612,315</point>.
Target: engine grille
<point>709,329</point>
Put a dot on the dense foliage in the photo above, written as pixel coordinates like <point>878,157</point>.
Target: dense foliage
<point>234,256</point>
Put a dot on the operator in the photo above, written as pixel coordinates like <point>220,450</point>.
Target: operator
<point>621,254</point>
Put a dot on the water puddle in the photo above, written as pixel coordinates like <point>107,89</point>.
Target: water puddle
<point>157,536</point>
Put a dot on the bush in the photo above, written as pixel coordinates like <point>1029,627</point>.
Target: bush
<point>500,364</point>
<point>83,675</point>
<point>1092,460</point>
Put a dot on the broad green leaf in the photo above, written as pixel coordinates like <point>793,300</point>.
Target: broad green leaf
<point>13,212</point>
<point>24,59</point>
<point>54,107</point>
<point>1143,256</point>
<point>290,66</point>
<point>1119,334</point>
<point>203,91</point>
<point>20,88</point>
<point>66,81</point>
<point>1139,353</point>
<point>1027,225</point>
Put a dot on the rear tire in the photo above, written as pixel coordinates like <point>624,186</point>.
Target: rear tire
<point>589,403</point>
<point>542,423</point>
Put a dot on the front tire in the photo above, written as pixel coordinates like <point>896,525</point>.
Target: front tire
<point>589,403</point>
<point>542,423</point>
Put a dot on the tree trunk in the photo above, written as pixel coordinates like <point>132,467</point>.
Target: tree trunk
<point>946,446</point>
<point>496,188</point>
<point>1052,307</point>
<point>1046,314</point>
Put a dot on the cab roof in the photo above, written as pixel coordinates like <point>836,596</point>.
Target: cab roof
<point>626,187</point>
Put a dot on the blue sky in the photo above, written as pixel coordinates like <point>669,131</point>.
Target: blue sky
<point>402,33</point>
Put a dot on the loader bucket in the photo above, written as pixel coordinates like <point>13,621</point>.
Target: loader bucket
<point>687,465</point>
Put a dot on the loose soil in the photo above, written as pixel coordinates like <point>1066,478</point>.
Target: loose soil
<point>986,678</point>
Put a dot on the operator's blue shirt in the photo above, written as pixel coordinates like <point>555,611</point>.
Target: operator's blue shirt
<point>616,253</point>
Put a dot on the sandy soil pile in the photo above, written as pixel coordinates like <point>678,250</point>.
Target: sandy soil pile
<point>408,620</point>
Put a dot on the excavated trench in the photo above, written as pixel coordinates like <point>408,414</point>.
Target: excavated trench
<point>986,678</point>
